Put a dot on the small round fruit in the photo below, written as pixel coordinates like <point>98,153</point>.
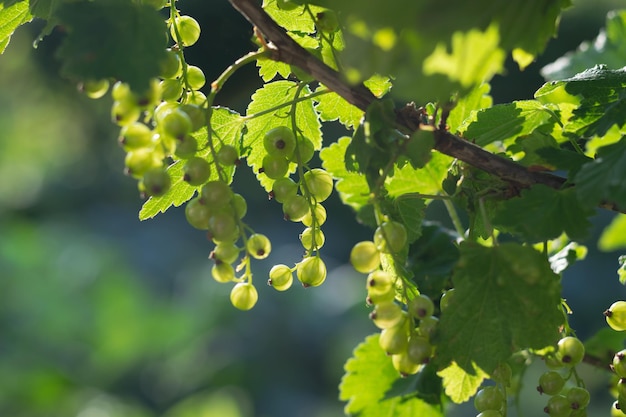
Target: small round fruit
<point>195,77</point>
<point>286,5</point>
<point>327,21</point>
<point>186,148</point>
<point>616,316</point>
<point>125,112</point>
<point>419,349</point>
<point>280,277</point>
<point>225,252</point>
<point>139,161</point>
<point>312,238</point>
<point>387,314</point>
<point>558,406</point>
<point>390,237</point>
<point>404,365</point>
<point>550,383</point>
<point>175,123</point>
<point>216,194</point>
<point>379,282</point>
<point>223,272</point>
<point>619,363</point>
<point>239,205</point>
<point>502,374</point>
<point>295,208</point>
<point>304,151</point>
<point>365,257</point>
<point>188,29</point>
<point>317,216</point>
<point>578,397</point>
<point>445,299</point>
<point>394,340</point>
<point>135,135</point>
<point>421,307</point>
<point>570,351</point>
<point>95,88</point>
<point>319,183</point>
<point>244,296</point>
<point>258,246</point>
<point>171,66</point>
<point>427,328</point>
<point>197,214</point>
<point>156,182</point>
<point>171,89</point>
<point>284,188</point>
<point>223,227</point>
<point>311,271</point>
<point>196,171</point>
<point>227,155</point>
<point>279,141</point>
<point>275,166</point>
<point>489,398</point>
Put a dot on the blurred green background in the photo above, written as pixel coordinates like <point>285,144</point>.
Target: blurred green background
<point>103,316</point>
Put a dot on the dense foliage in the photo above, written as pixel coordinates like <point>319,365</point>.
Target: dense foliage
<point>462,312</point>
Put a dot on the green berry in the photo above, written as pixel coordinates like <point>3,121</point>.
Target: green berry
<point>244,296</point>
<point>280,277</point>
<point>365,257</point>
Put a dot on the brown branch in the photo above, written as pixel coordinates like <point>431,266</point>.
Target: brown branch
<point>285,49</point>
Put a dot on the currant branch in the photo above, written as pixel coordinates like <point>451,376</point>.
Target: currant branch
<point>283,48</point>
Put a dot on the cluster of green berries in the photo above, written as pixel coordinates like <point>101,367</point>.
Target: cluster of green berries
<point>565,400</point>
<point>301,202</point>
<point>406,328</point>
<point>619,367</point>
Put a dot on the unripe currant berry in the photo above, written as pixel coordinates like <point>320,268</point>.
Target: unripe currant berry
<point>196,171</point>
<point>188,29</point>
<point>258,246</point>
<point>616,316</point>
<point>319,184</point>
<point>317,216</point>
<point>279,141</point>
<point>394,340</point>
<point>156,182</point>
<point>489,398</point>
<point>365,257</point>
<point>295,208</point>
<point>570,351</point>
<point>390,237</point>
<point>197,214</point>
<point>280,277</point>
<point>284,188</point>
<point>275,166</point>
<point>244,296</point>
<point>195,78</point>
<point>227,155</point>
<point>95,88</point>
<point>225,252</point>
<point>619,363</point>
<point>421,307</point>
<point>311,271</point>
<point>404,365</point>
<point>223,272</point>
<point>387,314</point>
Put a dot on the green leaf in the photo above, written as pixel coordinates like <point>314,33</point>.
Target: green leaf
<point>331,106</point>
<point>12,15</point>
<point>602,97</point>
<point>507,121</point>
<point>297,20</point>
<point>371,386</point>
<point>112,39</point>
<point>432,258</point>
<point>608,48</point>
<point>425,180</point>
<point>352,186</point>
<point>614,235</point>
<point>507,298</point>
<point>418,150</point>
<point>411,211</point>
<point>475,57</point>
<point>603,178</point>
<point>226,126</point>
<point>464,111</point>
<point>531,218</point>
<point>269,68</point>
<point>460,385</point>
<point>396,38</point>
<point>277,96</point>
